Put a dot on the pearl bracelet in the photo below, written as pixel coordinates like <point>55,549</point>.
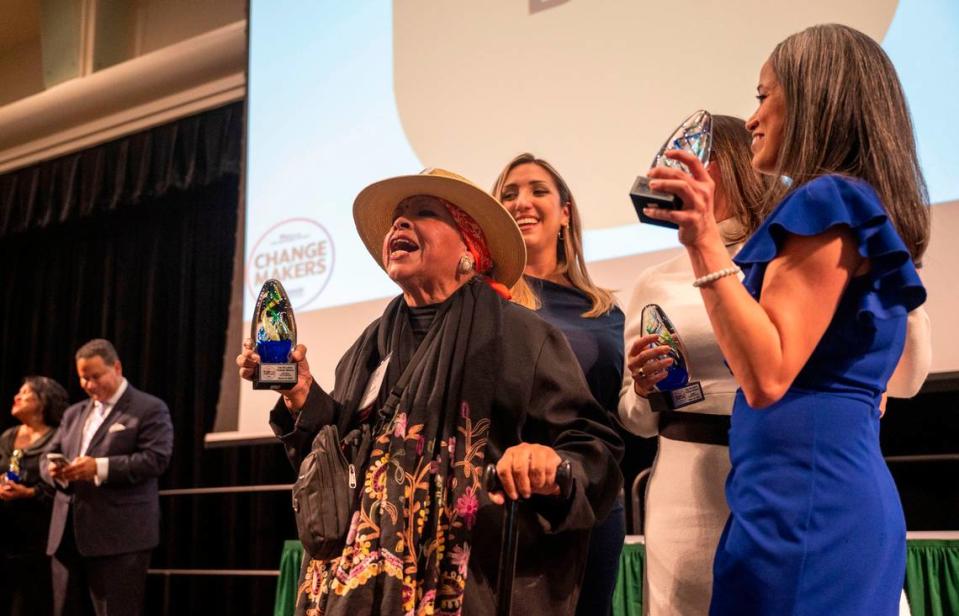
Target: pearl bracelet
<point>702,281</point>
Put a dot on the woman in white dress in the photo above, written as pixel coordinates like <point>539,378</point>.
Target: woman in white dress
<point>686,508</point>
<point>685,501</point>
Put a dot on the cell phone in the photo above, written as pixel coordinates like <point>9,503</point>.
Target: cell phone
<point>58,459</point>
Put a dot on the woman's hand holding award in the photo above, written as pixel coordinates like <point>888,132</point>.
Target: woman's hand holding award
<point>694,135</point>
<point>675,391</point>
<point>13,471</point>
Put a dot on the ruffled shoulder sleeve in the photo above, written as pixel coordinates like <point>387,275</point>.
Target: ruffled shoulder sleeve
<point>891,287</point>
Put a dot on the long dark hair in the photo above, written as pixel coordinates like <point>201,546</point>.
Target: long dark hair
<point>846,114</point>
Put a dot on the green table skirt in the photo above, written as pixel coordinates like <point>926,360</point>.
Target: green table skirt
<point>628,596</point>
<point>932,578</point>
<point>290,560</point>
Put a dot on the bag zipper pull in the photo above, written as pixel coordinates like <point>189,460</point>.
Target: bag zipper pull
<point>352,476</point>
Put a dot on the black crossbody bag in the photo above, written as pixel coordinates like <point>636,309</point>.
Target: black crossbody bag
<point>328,488</point>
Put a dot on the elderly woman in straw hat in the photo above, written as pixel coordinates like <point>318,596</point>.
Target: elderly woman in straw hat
<point>490,382</point>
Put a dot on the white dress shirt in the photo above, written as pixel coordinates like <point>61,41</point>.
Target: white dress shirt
<point>96,418</point>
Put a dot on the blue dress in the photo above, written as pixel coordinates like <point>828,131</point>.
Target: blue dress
<point>816,526</point>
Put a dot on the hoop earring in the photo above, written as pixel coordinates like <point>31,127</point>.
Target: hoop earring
<point>466,264</point>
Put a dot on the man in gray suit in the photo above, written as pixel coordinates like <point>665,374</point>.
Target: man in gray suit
<point>106,513</point>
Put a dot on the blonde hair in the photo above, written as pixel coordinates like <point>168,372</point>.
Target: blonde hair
<point>569,250</point>
<point>743,188</point>
<point>846,114</point>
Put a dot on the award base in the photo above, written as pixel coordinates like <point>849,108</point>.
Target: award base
<point>275,376</point>
<point>643,196</point>
<point>677,398</point>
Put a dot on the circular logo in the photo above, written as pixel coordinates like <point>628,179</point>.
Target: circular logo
<point>299,253</point>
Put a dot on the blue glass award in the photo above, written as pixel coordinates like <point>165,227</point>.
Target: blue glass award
<point>13,471</point>
<point>274,337</point>
<point>694,135</point>
<point>676,390</point>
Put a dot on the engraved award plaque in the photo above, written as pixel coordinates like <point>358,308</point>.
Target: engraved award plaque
<point>694,135</point>
<point>274,336</point>
<point>675,391</point>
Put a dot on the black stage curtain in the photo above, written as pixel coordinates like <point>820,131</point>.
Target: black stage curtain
<point>134,241</point>
<point>131,241</point>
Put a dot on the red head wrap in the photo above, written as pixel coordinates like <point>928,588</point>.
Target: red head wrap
<point>475,242</point>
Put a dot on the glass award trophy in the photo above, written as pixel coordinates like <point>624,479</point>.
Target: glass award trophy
<point>675,391</point>
<point>274,337</point>
<point>13,471</point>
<point>694,135</point>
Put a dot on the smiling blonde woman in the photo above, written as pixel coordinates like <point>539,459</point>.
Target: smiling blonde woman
<point>557,285</point>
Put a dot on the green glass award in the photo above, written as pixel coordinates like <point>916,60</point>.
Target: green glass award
<point>274,337</point>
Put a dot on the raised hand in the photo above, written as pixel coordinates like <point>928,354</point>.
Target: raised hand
<point>248,361</point>
<point>696,189</point>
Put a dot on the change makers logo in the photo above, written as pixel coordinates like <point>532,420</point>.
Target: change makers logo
<point>299,253</point>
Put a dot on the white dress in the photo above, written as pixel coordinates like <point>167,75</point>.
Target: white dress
<point>685,501</point>
<point>685,504</point>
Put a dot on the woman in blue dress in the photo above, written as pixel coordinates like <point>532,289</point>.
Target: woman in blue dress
<point>815,330</point>
<point>556,283</point>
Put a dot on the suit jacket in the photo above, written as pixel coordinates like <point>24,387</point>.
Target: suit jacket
<point>122,514</point>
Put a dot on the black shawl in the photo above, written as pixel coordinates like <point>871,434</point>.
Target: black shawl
<point>409,541</point>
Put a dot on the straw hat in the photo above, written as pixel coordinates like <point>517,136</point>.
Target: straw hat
<point>373,214</point>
